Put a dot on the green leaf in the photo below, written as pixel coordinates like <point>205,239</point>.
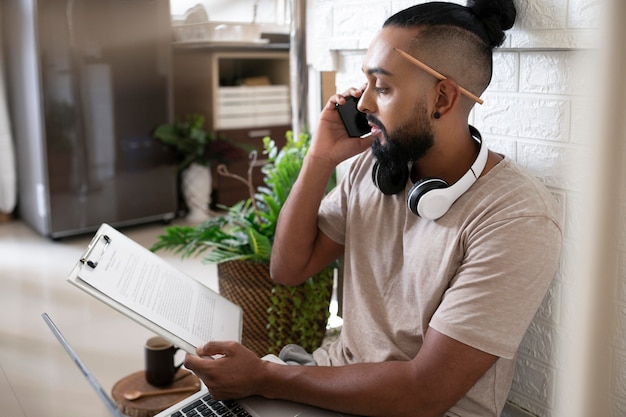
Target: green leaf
<point>245,231</point>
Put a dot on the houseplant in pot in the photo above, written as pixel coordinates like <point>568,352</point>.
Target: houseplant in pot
<point>197,152</point>
<point>240,243</point>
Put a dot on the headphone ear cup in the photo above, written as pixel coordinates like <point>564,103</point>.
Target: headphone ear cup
<point>389,184</point>
<point>419,190</point>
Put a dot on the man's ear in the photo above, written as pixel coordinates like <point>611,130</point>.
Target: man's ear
<point>448,94</point>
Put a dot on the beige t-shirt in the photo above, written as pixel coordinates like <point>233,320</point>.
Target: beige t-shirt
<point>477,274</point>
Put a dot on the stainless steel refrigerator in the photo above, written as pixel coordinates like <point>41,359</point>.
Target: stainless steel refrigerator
<point>88,82</point>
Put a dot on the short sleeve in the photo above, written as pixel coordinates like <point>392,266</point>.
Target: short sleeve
<point>507,270</point>
<point>333,213</point>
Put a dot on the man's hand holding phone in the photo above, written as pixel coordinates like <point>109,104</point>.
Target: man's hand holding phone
<point>331,141</point>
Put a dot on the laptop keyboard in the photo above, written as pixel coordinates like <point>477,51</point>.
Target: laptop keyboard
<point>207,406</point>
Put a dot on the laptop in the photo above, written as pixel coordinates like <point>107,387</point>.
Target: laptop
<point>202,400</point>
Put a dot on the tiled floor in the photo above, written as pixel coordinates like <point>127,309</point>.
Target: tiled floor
<point>37,379</point>
<point>36,376</point>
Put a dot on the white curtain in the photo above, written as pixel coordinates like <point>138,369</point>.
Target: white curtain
<point>8,176</point>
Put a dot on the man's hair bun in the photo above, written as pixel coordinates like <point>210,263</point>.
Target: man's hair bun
<point>496,16</point>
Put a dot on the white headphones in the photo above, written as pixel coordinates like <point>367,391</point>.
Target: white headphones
<point>431,198</point>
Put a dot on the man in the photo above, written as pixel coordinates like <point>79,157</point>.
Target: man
<point>434,308</point>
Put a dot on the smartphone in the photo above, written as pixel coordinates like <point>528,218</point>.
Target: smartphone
<point>354,120</point>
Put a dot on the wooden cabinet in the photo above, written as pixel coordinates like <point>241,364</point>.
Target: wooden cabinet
<point>206,81</point>
<point>228,191</point>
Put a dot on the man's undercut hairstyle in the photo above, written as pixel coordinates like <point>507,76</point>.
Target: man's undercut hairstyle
<point>459,40</point>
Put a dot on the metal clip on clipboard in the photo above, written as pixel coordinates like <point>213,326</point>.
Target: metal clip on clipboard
<point>91,248</point>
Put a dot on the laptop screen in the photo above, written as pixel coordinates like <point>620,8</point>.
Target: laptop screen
<point>81,365</point>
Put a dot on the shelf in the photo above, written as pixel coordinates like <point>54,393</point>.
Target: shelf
<point>203,69</point>
<point>235,46</point>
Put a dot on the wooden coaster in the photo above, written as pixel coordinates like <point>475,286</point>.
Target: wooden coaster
<point>151,405</point>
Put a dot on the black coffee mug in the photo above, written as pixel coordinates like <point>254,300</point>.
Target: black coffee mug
<point>159,361</point>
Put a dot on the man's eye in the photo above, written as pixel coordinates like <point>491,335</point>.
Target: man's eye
<point>381,90</point>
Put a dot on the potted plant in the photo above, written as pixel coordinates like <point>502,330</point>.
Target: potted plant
<point>197,152</point>
<point>240,243</point>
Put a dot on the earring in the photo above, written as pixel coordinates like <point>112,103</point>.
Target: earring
<point>436,115</point>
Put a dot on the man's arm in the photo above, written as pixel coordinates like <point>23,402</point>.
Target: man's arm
<point>300,250</point>
<point>438,377</point>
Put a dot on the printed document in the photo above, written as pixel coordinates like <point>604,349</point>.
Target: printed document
<point>144,286</point>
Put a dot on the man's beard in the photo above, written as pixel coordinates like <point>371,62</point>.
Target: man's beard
<point>407,143</point>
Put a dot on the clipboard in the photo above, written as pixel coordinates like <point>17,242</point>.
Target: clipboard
<point>144,287</point>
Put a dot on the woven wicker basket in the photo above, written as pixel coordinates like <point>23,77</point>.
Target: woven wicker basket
<point>248,284</point>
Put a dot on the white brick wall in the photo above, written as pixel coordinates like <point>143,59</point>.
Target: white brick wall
<point>539,111</point>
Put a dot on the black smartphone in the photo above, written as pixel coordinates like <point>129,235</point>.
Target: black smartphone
<point>354,120</point>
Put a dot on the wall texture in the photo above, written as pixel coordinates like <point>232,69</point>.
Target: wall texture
<point>540,111</point>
